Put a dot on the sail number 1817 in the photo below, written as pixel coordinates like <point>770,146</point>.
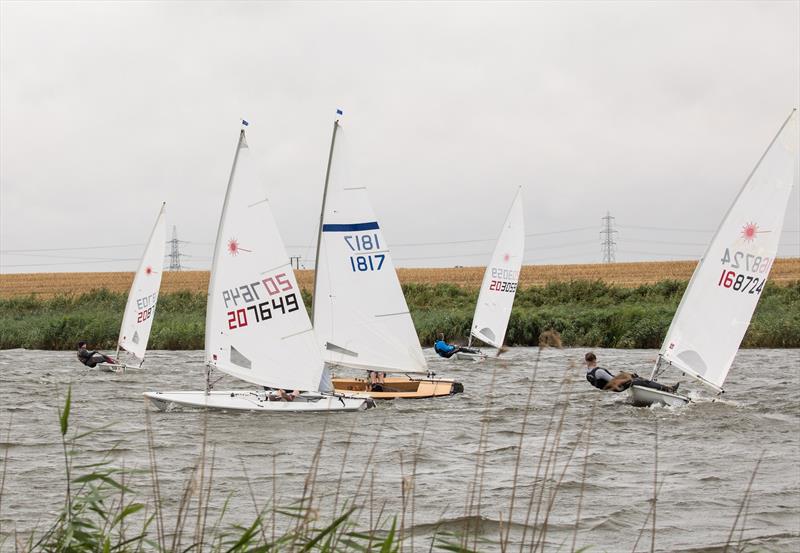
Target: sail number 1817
<point>365,245</point>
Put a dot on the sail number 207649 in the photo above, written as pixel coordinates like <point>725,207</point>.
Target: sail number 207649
<point>272,289</point>
<point>365,257</point>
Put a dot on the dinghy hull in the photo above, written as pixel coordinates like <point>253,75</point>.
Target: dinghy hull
<point>243,400</point>
<point>115,368</point>
<point>645,397</point>
<point>464,356</point>
<point>400,387</point>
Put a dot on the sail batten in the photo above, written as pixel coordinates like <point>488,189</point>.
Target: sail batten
<point>257,328</point>
<point>359,305</point>
<point>716,309</point>
<point>140,308</point>
<point>500,281</point>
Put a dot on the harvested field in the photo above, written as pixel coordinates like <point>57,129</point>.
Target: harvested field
<point>46,285</point>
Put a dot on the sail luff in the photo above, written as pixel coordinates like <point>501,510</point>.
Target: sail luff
<point>218,247</point>
<point>321,220</point>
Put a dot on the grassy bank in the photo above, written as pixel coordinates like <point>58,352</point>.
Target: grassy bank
<point>585,313</point>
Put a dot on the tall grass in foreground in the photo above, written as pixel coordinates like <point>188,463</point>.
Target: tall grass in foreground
<point>106,510</point>
<point>585,313</point>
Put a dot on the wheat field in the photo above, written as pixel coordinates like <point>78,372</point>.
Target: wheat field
<point>46,285</point>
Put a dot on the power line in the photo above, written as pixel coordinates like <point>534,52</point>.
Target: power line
<point>72,249</point>
<point>697,256</point>
<point>635,227</point>
<point>71,263</point>
<point>665,242</point>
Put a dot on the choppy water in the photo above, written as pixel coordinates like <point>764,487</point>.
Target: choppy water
<point>706,451</point>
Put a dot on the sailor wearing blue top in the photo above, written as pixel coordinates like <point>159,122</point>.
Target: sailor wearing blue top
<point>448,350</point>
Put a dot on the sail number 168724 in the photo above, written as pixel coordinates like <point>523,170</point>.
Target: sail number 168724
<point>741,283</point>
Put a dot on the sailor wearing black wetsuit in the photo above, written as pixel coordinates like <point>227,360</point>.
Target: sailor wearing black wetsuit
<point>91,358</point>
<point>600,377</point>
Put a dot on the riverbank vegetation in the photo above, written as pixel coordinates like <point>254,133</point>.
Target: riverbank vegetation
<point>585,313</point>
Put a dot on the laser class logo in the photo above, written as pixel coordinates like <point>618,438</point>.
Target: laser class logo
<point>750,230</point>
<point>234,248</point>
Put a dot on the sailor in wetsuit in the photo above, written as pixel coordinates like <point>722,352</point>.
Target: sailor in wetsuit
<point>92,358</point>
<point>603,379</point>
<point>448,350</point>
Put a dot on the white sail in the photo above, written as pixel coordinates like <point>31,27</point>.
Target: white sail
<point>501,279</point>
<point>257,328</point>
<point>143,296</point>
<point>360,314</point>
<point>716,309</point>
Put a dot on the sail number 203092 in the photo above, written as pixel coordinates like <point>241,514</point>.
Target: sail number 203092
<point>365,258</point>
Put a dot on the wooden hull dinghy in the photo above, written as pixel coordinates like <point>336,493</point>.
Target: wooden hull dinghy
<point>400,387</point>
<point>242,400</point>
<point>257,327</point>
<point>715,311</point>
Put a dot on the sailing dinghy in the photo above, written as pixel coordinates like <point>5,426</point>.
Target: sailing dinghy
<point>257,327</point>
<point>140,309</point>
<point>499,286</point>
<point>719,301</point>
<point>360,315</point>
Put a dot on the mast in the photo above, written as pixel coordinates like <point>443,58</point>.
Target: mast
<point>217,250</point>
<point>321,217</point>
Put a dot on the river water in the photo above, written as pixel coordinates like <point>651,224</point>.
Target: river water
<point>706,452</point>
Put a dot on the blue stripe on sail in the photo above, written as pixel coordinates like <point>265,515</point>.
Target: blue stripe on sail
<point>347,228</point>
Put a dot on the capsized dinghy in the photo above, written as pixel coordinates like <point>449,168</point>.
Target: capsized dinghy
<point>499,286</point>
<point>257,328</point>
<point>719,301</point>
<point>360,315</point>
<point>134,333</point>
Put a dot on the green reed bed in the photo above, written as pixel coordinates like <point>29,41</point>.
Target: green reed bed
<point>585,313</point>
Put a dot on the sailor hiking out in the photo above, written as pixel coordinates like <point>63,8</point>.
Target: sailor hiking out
<point>603,379</point>
<point>92,358</point>
<point>448,350</point>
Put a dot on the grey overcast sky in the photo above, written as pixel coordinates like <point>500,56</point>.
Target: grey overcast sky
<point>653,111</point>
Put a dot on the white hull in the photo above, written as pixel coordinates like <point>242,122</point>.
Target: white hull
<point>464,356</point>
<point>116,368</point>
<point>243,400</point>
<point>644,397</point>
